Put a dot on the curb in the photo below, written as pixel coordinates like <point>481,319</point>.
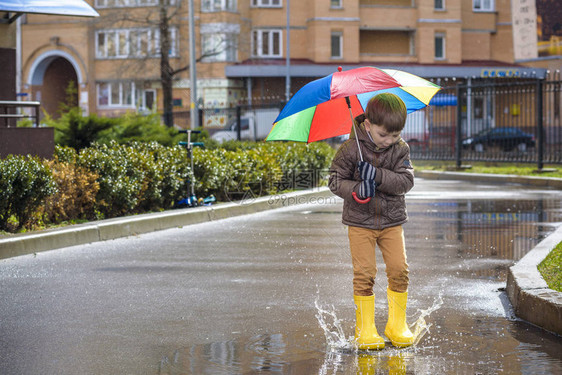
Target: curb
<point>529,294</point>
<point>133,225</point>
<point>552,182</point>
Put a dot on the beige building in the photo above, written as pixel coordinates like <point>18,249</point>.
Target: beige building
<point>16,140</point>
<point>241,47</point>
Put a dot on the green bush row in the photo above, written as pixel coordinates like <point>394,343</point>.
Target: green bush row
<point>110,179</point>
<point>25,182</point>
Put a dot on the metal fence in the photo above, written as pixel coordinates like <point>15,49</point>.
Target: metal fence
<point>493,120</point>
<point>490,121</point>
<point>9,114</point>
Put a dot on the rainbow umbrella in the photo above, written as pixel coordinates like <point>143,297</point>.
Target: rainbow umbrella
<point>321,109</point>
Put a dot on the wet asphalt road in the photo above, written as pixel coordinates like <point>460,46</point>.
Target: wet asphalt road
<point>239,296</point>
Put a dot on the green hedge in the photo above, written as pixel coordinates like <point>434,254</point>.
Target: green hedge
<point>142,177</point>
<point>24,183</point>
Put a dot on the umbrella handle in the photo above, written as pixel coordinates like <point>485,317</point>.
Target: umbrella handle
<point>359,200</point>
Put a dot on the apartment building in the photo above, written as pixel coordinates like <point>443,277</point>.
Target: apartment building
<point>241,48</point>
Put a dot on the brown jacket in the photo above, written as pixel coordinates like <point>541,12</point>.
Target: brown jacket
<point>394,178</point>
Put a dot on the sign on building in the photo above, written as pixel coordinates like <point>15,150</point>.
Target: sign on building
<point>524,21</point>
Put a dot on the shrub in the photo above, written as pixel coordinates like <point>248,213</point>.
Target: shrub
<point>211,172</point>
<point>108,180</point>
<point>303,166</point>
<point>77,131</point>
<point>65,154</point>
<point>137,177</point>
<point>246,169</point>
<point>166,175</point>
<point>119,180</point>
<point>24,183</point>
<point>134,127</point>
<point>75,197</point>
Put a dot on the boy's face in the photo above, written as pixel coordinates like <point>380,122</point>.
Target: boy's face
<point>381,137</point>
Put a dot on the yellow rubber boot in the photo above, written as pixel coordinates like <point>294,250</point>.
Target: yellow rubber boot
<point>366,334</point>
<point>397,330</point>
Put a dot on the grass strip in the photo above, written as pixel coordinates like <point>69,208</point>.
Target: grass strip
<point>550,268</point>
<point>519,169</point>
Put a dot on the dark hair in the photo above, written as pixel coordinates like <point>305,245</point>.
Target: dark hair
<point>387,110</point>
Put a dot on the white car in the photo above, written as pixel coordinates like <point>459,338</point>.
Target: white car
<point>230,131</point>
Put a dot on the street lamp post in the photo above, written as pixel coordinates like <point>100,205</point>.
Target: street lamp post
<point>193,110</point>
<point>288,56</point>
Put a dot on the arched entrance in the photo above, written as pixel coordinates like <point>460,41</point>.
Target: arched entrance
<point>50,77</point>
<point>59,76</point>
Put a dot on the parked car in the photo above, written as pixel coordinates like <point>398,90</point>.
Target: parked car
<point>230,131</point>
<point>256,125</point>
<point>508,139</point>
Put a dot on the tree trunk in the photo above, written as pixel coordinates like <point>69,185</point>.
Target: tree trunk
<point>165,68</point>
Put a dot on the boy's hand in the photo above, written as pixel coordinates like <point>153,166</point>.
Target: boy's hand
<point>366,189</point>
<point>367,171</point>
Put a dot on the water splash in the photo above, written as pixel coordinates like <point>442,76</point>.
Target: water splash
<point>333,330</point>
<point>420,328</point>
<point>335,337</point>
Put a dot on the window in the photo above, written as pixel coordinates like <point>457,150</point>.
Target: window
<point>439,46</point>
<point>266,43</point>
<point>439,4</point>
<point>132,43</point>
<point>336,43</point>
<point>218,5</point>
<point>140,42</point>
<point>148,100</point>
<point>267,3</point>
<point>173,52</point>
<point>483,5</point>
<point>336,4</point>
<point>219,41</point>
<point>129,3</point>
<point>219,47</point>
<point>112,43</point>
<point>116,94</point>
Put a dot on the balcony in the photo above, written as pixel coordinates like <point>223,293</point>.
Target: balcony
<point>383,17</point>
<point>379,45</point>
<point>387,3</point>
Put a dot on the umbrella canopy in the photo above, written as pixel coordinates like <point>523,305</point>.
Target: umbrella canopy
<point>319,110</point>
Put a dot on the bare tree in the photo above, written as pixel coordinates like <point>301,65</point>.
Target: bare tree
<point>169,13</point>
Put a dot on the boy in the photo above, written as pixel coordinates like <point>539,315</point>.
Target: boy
<point>384,176</point>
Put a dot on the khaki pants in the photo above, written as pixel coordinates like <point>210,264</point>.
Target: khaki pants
<point>362,242</point>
